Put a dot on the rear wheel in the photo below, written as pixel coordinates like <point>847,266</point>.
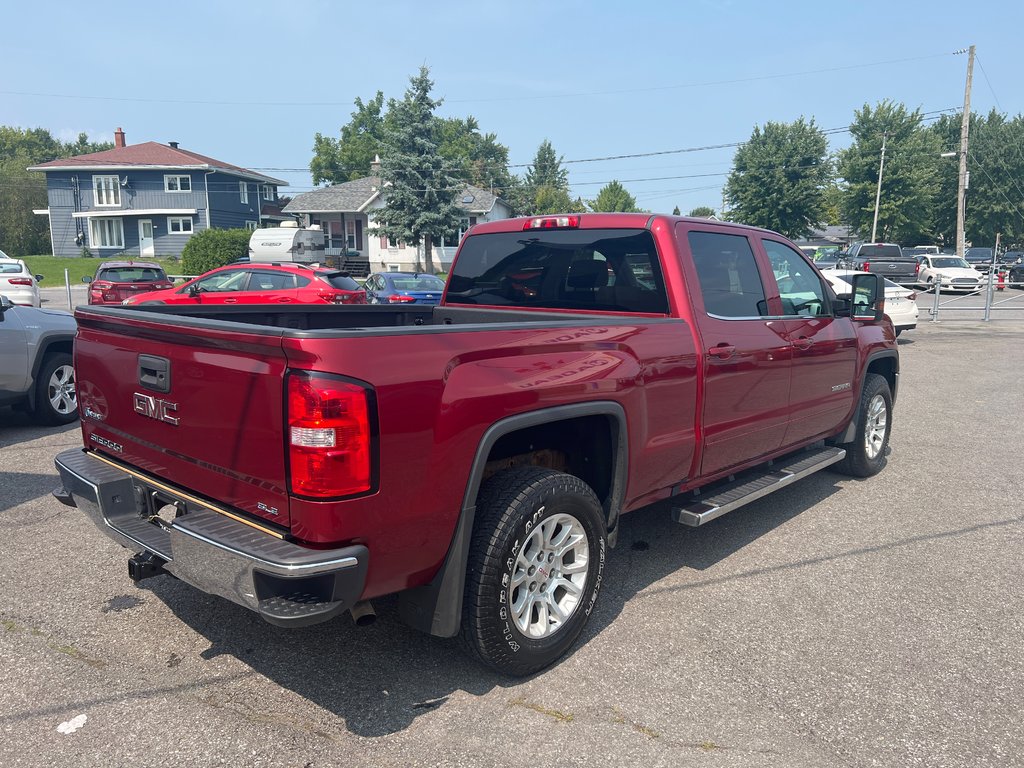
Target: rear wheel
<point>865,455</point>
<point>535,568</point>
<point>56,397</point>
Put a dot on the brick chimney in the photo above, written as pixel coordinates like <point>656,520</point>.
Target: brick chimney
<point>375,166</point>
<point>118,138</point>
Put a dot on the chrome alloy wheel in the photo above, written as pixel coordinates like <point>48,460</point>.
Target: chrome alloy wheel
<point>549,576</point>
<point>875,424</point>
<point>60,390</point>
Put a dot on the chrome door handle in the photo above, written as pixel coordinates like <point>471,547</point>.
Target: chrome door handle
<point>722,351</point>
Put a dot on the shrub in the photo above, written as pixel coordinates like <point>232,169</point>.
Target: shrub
<point>213,248</point>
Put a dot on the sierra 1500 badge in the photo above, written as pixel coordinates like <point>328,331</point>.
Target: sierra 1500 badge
<point>155,408</point>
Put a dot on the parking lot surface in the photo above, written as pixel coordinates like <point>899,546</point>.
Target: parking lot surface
<point>837,622</point>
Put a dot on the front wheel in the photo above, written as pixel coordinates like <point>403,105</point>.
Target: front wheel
<point>56,398</point>
<point>865,455</point>
<point>535,567</point>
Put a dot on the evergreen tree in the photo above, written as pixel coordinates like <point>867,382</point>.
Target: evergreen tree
<point>613,198</point>
<point>422,185</point>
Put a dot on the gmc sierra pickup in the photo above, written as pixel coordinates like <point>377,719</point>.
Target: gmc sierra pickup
<point>475,457</point>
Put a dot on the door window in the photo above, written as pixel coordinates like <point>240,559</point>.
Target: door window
<point>729,280</point>
<point>233,280</point>
<point>799,285</point>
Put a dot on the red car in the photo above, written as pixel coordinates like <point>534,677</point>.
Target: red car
<point>116,281</point>
<point>261,284</point>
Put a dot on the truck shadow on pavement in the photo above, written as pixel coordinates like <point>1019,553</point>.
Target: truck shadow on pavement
<point>19,427</point>
<point>379,679</point>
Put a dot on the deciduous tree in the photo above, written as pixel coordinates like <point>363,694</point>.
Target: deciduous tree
<point>778,178</point>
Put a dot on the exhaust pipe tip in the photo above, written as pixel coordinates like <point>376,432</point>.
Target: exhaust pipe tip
<point>363,614</point>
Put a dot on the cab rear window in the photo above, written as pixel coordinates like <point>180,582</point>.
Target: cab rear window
<point>612,270</point>
<point>880,251</point>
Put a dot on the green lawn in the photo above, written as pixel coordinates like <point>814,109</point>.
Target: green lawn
<point>52,268</point>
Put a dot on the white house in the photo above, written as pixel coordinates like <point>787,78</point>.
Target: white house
<point>345,213</point>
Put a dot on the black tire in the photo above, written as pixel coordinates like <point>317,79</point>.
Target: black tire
<point>56,398</point>
<point>865,455</point>
<point>512,510</point>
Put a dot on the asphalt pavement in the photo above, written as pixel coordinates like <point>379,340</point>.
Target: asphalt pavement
<point>837,622</point>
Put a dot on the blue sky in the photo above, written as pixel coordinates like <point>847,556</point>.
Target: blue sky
<point>251,82</point>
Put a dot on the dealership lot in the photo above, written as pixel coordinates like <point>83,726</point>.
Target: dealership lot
<point>837,622</point>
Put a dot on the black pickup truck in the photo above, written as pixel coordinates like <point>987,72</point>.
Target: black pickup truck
<point>884,259</point>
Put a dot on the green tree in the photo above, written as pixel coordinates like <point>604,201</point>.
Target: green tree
<point>995,197</point>
<point>545,187</point>
<point>778,178</point>
<point>702,212</point>
<point>908,180</point>
<point>422,184</point>
<point>22,233</point>
<point>613,198</point>
<point>480,158</point>
<point>349,157</point>
<point>675,211</point>
<point>212,248</point>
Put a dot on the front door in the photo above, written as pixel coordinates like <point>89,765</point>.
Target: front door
<point>146,238</point>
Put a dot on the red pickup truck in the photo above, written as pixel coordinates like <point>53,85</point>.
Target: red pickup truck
<point>475,457</point>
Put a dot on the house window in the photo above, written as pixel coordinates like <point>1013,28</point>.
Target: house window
<point>268,192</point>
<point>177,183</point>
<point>179,224</point>
<point>107,190</point>
<point>350,234</point>
<point>106,233</point>
<point>251,226</point>
<point>243,192</point>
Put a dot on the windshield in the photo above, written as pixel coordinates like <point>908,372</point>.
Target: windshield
<point>615,270</point>
<point>950,261</point>
<point>10,268</point>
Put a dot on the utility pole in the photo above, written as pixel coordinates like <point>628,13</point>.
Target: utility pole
<point>878,191</point>
<point>961,186</point>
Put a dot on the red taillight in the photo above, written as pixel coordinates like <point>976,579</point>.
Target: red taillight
<point>329,437</point>
<point>912,297</point>
<point>917,268</point>
<point>552,222</point>
<point>20,281</point>
<point>397,298</point>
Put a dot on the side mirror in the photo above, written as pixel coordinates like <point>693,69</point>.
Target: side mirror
<point>868,298</point>
<point>39,278</point>
<point>193,290</point>
<point>842,307</point>
<point>86,279</point>
<point>5,304</point>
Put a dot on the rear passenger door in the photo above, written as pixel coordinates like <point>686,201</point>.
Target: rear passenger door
<point>271,287</point>
<point>747,355</point>
<point>824,347</point>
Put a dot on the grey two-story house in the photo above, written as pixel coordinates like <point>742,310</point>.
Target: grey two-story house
<point>148,199</point>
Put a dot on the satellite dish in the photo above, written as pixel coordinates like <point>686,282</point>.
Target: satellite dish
<point>124,182</point>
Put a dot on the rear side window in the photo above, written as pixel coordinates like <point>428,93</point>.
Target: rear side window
<point>729,280</point>
<point>612,270</point>
<point>339,280</point>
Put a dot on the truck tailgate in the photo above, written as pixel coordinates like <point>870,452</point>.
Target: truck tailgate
<point>196,406</point>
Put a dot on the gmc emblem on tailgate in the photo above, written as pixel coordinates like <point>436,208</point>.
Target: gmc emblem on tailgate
<point>154,408</point>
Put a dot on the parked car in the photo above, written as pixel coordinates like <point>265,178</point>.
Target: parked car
<point>885,259</point>
<point>36,373</point>
<point>18,283</point>
<point>261,284</point>
<point>116,281</point>
<point>979,258</point>
<point>950,272</point>
<point>1015,274</point>
<point>900,302</point>
<point>403,288</point>
<point>922,250</point>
